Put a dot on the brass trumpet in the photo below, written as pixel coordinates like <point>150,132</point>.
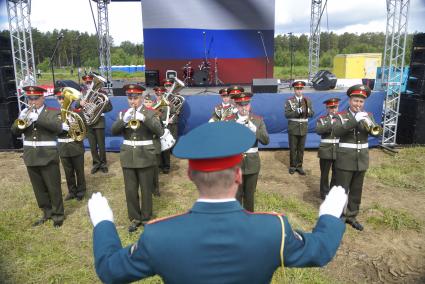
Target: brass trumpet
<point>371,127</point>
<point>134,123</point>
<point>24,122</point>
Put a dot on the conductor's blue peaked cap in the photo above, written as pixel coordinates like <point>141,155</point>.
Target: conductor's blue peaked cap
<point>214,140</point>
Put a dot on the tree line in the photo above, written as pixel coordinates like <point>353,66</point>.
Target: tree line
<point>81,49</point>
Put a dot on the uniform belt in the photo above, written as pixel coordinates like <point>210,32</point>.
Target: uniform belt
<point>65,140</point>
<point>40,143</point>
<point>354,145</point>
<point>298,119</point>
<point>252,150</point>
<point>333,141</point>
<point>137,142</point>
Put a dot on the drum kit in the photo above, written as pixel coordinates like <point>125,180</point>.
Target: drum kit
<point>199,77</point>
<point>203,76</point>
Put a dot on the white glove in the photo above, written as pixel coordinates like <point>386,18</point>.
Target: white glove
<point>33,116</point>
<point>127,115</point>
<point>334,202</point>
<point>235,110</point>
<point>23,113</point>
<point>241,120</point>
<point>99,209</point>
<point>251,126</point>
<point>361,116</point>
<point>65,126</point>
<point>140,116</point>
<point>300,110</point>
<point>167,140</point>
<point>211,120</point>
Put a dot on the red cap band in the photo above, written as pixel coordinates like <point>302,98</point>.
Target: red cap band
<point>214,164</point>
<point>134,91</point>
<point>335,103</point>
<point>34,93</point>
<point>359,92</point>
<point>232,92</point>
<point>244,99</point>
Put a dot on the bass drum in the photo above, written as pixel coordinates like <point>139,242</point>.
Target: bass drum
<point>200,78</point>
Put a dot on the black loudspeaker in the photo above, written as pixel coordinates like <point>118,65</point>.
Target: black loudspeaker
<point>7,82</point>
<point>411,123</point>
<point>6,57</point>
<point>200,78</point>
<point>8,141</point>
<point>264,85</point>
<point>152,78</point>
<point>68,83</point>
<point>8,113</point>
<point>324,80</point>
<point>419,40</point>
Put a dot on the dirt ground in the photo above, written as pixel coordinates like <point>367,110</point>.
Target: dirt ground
<point>372,256</point>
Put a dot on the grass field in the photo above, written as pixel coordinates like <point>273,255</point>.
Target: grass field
<point>391,249</point>
<point>298,72</point>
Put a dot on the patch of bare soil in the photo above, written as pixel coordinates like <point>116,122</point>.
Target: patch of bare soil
<point>374,255</point>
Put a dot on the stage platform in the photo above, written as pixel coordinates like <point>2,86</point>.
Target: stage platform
<point>198,108</point>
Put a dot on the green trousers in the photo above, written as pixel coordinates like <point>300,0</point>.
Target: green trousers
<point>296,150</point>
<point>246,191</point>
<point>46,183</point>
<point>139,183</point>
<point>96,137</point>
<point>74,174</point>
<point>325,167</point>
<point>352,181</point>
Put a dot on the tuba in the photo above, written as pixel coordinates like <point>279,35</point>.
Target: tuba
<point>95,100</point>
<point>175,100</point>
<point>77,129</point>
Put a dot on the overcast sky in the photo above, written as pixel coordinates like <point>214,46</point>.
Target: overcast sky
<point>125,18</point>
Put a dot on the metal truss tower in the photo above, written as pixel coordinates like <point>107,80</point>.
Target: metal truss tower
<point>314,44</point>
<point>104,39</point>
<point>19,12</point>
<point>392,66</point>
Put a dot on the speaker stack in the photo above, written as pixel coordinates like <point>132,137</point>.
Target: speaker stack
<point>264,85</point>
<point>411,123</point>
<point>152,78</point>
<point>324,80</point>
<point>416,81</point>
<point>8,99</point>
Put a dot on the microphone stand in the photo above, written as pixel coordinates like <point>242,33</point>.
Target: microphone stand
<point>205,62</point>
<point>292,55</point>
<point>58,40</point>
<point>265,52</point>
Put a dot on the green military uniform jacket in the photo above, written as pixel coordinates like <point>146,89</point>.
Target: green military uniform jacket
<point>298,123</point>
<point>328,142</point>
<point>353,134</point>
<point>45,129</point>
<point>251,161</point>
<point>149,130</point>
<point>221,110</point>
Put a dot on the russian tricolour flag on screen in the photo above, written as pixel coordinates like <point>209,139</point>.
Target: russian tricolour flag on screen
<point>234,36</point>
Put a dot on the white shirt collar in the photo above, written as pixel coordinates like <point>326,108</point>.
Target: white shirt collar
<point>39,110</point>
<point>215,200</point>
<point>225,104</point>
